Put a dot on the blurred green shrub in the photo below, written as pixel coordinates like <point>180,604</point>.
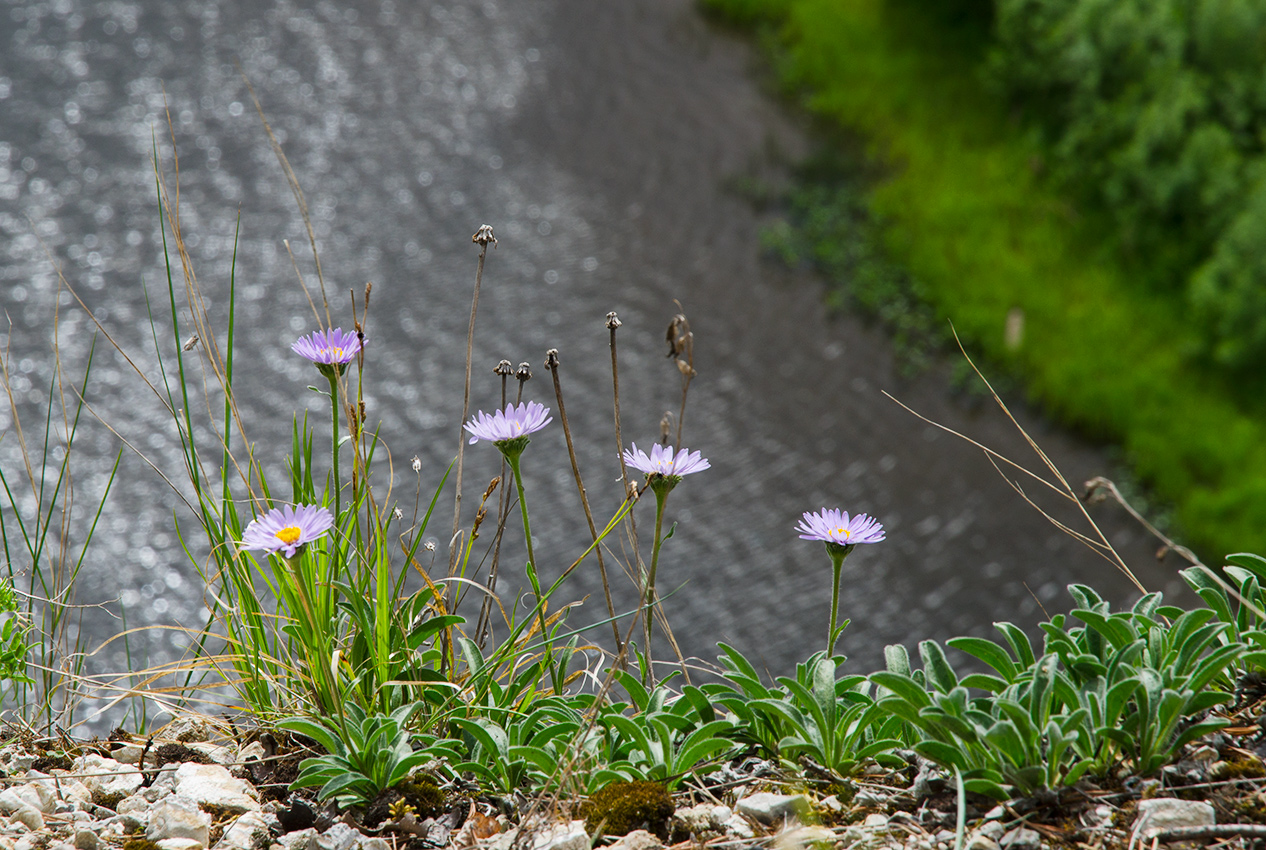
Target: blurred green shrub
<point>1157,110</point>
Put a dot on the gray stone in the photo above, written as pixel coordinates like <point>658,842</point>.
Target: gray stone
<point>993,829</point>
<point>303,839</point>
<point>212,786</point>
<point>86,839</point>
<point>180,844</point>
<point>1021,838</point>
<point>638,839</point>
<point>105,778</point>
<point>375,844</point>
<point>868,799</point>
<point>30,817</point>
<point>555,836</point>
<point>241,834</point>
<point>128,754</point>
<point>980,841</point>
<point>188,730</point>
<point>875,821</point>
<point>177,817</point>
<point>806,836</point>
<point>338,837</point>
<point>1163,813</point>
<point>773,808</point>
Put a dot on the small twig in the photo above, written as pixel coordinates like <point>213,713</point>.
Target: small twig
<point>482,237</point>
<point>1217,830</point>
<point>551,363</point>
<point>503,370</point>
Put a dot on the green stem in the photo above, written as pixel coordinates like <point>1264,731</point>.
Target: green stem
<point>334,448</point>
<point>527,533</point>
<point>837,552</point>
<point>837,562</point>
<point>661,496</point>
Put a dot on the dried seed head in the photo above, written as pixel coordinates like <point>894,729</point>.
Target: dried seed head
<point>397,514</point>
<point>551,359</point>
<point>417,463</point>
<point>524,372</point>
<point>369,287</point>
<point>505,368</point>
<point>679,336</point>
<point>429,545</point>
<point>484,235</point>
<point>686,370</point>
<point>613,321</point>
<point>492,486</point>
<point>665,427</point>
<point>193,340</point>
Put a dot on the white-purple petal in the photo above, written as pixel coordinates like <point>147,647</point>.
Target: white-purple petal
<point>528,418</point>
<point>662,461</point>
<point>832,525</point>
<point>287,529</point>
<point>331,348</point>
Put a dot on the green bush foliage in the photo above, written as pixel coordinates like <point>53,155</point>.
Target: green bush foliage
<point>1157,108</point>
<point>965,205</point>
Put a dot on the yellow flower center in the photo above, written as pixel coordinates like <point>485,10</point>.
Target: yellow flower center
<point>336,353</point>
<point>844,531</point>
<point>289,535</point>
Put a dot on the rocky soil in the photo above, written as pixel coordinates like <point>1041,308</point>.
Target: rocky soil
<point>200,785</point>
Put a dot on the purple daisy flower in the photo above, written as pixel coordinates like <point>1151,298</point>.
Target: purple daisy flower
<point>287,529</point>
<point>661,461</point>
<point>328,348</point>
<point>835,526</point>
<point>509,424</point>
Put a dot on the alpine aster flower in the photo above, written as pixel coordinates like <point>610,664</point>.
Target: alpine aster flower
<point>286,530</point>
<point>661,461</point>
<point>835,526</point>
<point>509,424</point>
<point>328,348</point>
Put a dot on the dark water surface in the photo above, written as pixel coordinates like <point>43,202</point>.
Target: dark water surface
<point>597,139</point>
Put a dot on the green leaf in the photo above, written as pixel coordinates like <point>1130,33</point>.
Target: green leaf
<point>990,653</point>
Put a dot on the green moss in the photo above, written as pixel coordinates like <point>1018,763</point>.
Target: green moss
<point>622,807</point>
<point>424,796</point>
<point>140,844</point>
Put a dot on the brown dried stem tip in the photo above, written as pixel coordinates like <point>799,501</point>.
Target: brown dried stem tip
<point>681,341</point>
<point>505,369</point>
<point>524,372</point>
<point>551,359</point>
<point>484,235</point>
<point>613,321</point>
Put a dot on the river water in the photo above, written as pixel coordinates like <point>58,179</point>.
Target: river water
<point>598,140</point>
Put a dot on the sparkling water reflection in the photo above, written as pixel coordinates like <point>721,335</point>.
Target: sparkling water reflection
<point>597,139</point>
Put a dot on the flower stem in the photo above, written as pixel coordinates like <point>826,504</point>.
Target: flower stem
<point>837,553</point>
<point>513,460</point>
<point>661,496</point>
<point>338,484</point>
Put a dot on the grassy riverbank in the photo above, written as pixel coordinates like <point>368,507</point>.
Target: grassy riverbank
<point>968,213</point>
